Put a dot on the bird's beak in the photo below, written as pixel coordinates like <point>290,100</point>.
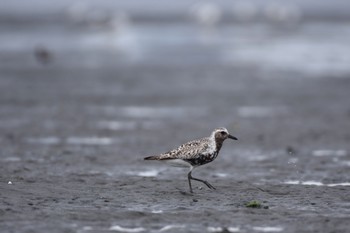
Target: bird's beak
<point>232,137</point>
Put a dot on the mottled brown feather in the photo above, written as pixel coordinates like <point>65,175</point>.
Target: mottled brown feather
<point>188,150</point>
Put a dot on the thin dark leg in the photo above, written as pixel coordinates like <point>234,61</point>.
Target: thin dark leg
<point>203,181</point>
<point>189,181</point>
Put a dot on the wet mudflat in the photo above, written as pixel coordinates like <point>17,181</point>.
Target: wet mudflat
<point>75,129</point>
<point>73,153</point>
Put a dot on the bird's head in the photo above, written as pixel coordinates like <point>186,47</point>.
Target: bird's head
<point>221,134</point>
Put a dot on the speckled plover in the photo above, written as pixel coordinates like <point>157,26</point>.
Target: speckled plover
<point>196,153</point>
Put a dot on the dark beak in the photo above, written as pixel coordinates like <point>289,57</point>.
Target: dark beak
<point>232,137</point>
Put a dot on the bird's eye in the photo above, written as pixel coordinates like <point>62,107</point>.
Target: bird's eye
<point>223,132</point>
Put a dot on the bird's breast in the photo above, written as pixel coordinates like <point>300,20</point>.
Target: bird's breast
<point>202,159</point>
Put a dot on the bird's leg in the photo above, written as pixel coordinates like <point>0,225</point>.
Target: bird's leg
<point>203,181</point>
<point>189,181</point>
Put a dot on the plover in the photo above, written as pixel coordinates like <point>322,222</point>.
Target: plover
<point>196,153</point>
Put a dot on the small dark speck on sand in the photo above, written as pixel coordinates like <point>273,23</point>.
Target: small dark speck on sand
<point>43,55</point>
<point>290,150</point>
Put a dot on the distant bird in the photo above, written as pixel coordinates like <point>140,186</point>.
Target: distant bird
<point>196,153</point>
<point>43,55</point>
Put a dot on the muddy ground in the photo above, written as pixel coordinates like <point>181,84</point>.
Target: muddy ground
<point>64,185</point>
<point>75,127</point>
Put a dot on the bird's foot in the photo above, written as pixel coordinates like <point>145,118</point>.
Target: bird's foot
<point>209,185</point>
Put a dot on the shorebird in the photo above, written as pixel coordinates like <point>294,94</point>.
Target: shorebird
<point>196,153</point>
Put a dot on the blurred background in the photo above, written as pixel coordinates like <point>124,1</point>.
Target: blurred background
<point>118,80</point>
<point>307,37</point>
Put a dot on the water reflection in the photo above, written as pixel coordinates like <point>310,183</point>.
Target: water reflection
<point>90,140</point>
<point>315,183</point>
<point>321,153</point>
<point>148,111</point>
<point>73,140</point>
<point>268,229</point>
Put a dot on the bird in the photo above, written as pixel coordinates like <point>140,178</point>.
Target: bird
<point>196,153</point>
<point>43,55</point>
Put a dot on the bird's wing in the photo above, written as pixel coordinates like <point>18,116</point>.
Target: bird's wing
<point>189,150</point>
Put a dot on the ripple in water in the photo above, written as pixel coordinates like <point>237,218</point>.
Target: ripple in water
<point>90,141</point>
<point>170,227</point>
<point>149,173</point>
<point>72,140</point>
<point>148,112</point>
<point>268,229</point>
<point>125,229</point>
<point>315,183</point>
<point>320,153</point>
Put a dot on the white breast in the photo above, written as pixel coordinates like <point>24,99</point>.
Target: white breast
<point>212,146</point>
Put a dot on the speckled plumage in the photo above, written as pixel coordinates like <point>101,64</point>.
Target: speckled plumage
<point>197,152</point>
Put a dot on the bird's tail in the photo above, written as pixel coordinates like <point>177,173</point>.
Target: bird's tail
<point>154,157</point>
<point>158,157</point>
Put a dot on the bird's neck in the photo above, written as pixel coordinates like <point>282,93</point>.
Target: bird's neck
<point>218,144</point>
